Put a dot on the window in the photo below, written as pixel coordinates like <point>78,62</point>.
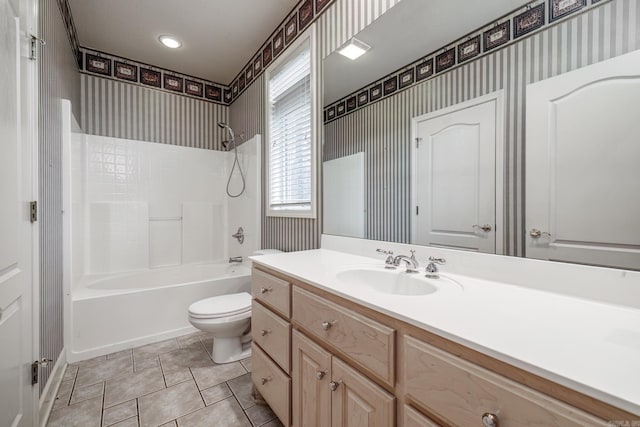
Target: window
<point>291,169</point>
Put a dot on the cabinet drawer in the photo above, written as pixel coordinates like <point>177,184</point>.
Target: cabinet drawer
<point>272,291</point>
<point>461,392</point>
<point>272,334</point>
<point>273,384</point>
<point>365,341</point>
<point>413,418</point>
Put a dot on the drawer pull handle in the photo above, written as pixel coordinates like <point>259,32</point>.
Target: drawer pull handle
<point>265,290</point>
<point>489,420</point>
<point>265,332</point>
<point>327,325</point>
<point>320,374</point>
<point>263,381</point>
<point>333,386</point>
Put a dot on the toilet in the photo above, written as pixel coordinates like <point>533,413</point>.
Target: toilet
<point>228,319</point>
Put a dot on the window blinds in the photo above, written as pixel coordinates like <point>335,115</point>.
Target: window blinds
<point>290,133</point>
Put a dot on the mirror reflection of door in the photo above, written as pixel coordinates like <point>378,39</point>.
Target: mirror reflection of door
<point>582,172</point>
<point>454,176</point>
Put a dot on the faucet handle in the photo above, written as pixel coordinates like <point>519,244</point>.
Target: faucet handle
<point>413,254</point>
<point>440,261</point>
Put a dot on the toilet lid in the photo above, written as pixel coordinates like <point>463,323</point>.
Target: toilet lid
<point>221,306</point>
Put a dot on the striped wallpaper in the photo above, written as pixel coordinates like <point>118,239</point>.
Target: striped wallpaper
<point>382,130</point>
<point>342,20</point>
<point>58,79</point>
<point>123,110</point>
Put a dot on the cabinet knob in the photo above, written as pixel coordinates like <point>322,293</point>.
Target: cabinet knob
<point>536,234</point>
<point>265,290</point>
<point>333,386</point>
<point>263,381</point>
<point>320,374</point>
<point>486,227</point>
<point>327,325</point>
<point>264,332</point>
<point>489,420</point>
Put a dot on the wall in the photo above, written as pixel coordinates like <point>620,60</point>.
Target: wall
<point>382,129</point>
<point>342,20</point>
<point>58,79</point>
<point>124,110</point>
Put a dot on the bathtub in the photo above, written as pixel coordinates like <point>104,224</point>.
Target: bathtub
<point>119,311</point>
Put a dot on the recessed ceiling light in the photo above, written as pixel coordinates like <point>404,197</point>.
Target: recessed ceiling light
<point>354,49</point>
<point>170,42</point>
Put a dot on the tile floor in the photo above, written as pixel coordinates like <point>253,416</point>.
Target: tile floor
<point>169,383</point>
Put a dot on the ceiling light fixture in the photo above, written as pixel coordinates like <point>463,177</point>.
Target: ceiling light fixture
<point>170,42</point>
<point>354,49</point>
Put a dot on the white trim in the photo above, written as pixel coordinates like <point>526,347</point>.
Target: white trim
<point>500,177</point>
<point>308,36</point>
<point>48,397</point>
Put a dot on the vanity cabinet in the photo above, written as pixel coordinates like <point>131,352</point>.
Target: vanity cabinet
<point>329,393</point>
<point>351,366</point>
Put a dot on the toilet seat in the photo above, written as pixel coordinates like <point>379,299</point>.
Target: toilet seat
<point>221,306</point>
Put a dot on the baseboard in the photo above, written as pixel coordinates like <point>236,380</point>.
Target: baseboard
<point>78,356</point>
<point>48,396</point>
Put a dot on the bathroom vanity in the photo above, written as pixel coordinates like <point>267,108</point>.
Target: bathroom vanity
<point>332,351</point>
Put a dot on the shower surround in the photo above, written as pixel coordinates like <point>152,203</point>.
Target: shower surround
<point>148,210</point>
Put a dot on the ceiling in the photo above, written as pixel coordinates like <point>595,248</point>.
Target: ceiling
<point>407,32</point>
<point>218,36</point>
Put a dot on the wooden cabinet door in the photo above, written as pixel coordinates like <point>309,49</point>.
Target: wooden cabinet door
<point>311,375</point>
<point>358,402</point>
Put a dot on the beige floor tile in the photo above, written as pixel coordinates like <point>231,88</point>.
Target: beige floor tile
<point>225,413</point>
<point>207,342</point>
<point>117,354</point>
<point>120,412</point>
<point>88,392</point>
<point>241,388</point>
<point>122,389</point>
<point>208,377</point>
<point>155,349</point>
<point>91,361</point>
<point>168,404</point>
<point>247,364</point>
<point>216,394</point>
<point>129,422</point>
<point>169,424</point>
<point>84,414</point>
<point>142,364</point>
<point>70,373</point>
<point>177,377</point>
<point>273,423</point>
<point>191,357</point>
<point>191,340</point>
<point>104,370</point>
<point>260,414</point>
<point>64,394</point>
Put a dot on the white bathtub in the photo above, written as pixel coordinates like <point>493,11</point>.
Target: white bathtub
<point>119,311</point>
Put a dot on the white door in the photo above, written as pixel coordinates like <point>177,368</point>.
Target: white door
<point>455,176</point>
<point>582,165</point>
<point>17,398</point>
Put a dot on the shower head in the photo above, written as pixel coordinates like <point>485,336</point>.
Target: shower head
<point>223,125</point>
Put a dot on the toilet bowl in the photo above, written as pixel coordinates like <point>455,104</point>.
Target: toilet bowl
<point>228,319</point>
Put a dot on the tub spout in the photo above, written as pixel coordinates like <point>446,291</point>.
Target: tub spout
<point>237,259</point>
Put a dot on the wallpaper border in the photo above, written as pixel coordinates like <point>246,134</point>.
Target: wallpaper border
<point>533,17</point>
<point>129,71</point>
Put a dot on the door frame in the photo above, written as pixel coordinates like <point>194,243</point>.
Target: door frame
<point>29,137</point>
<point>498,98</point>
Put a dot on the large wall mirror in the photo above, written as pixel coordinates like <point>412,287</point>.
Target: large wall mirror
<point>428,134</point>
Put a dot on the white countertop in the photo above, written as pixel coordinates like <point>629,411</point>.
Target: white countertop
<point>590,346</point>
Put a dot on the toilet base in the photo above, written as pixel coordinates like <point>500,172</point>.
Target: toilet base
<point>227,350</point>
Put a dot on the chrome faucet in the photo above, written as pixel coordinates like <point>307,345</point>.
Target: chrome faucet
<point>389,263</point>
<point>412,262</point>
<point>432,267</point>
<point>237,259</point>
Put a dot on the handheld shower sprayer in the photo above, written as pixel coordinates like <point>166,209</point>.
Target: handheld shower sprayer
<point>232,141</point>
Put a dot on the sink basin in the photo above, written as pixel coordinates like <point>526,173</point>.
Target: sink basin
<point>394,282</point>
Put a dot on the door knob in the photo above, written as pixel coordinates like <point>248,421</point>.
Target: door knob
<point>326,325</point>
<point>263,381</point>
<point>489,420</point>
<point>333,385</point>
<point>486,227</point>
<point>536,234</point>
<point>320,374</point>
<point>265,290</point>
<point>264,332</point>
